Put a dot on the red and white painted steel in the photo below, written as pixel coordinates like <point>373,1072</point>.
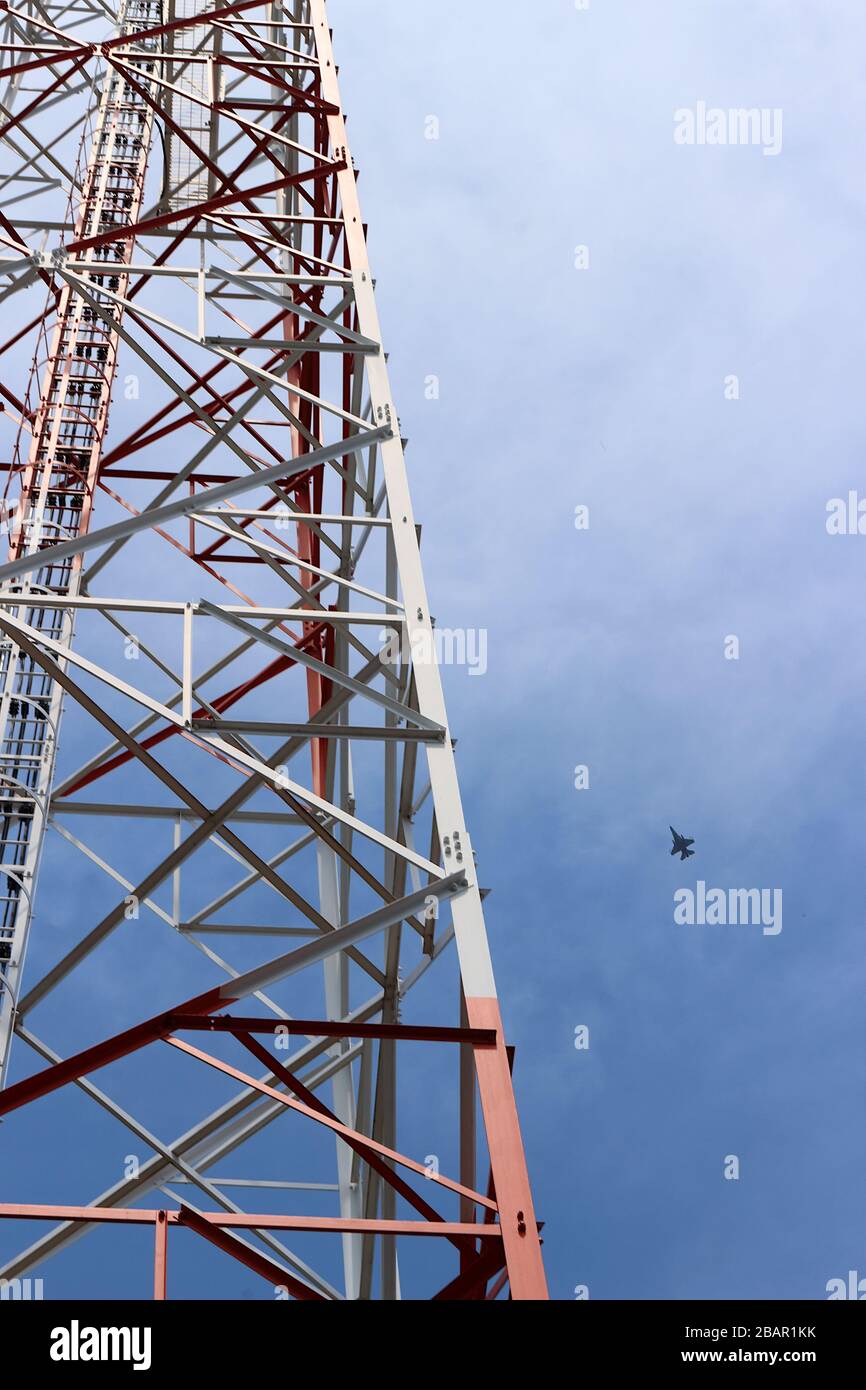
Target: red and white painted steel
<point>251,510</point>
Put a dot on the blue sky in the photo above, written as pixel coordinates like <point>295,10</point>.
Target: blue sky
<point>605,387</point>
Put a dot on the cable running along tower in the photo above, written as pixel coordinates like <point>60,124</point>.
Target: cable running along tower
<point>253,830</point>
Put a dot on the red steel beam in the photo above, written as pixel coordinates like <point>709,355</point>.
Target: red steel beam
<point>220,704</point>
<point>467,1284</point>
<point>84,51</point>
<point>328,1028</point>
<point>507,1158</point>
<point>369,1155</point>
<point>253,1259</point>
<point>239,1221</point>
<point>160,1255</point>
<point>140,439</point>
<point>497,1287</point>
<point>238,195</point>
<point>319,1112</point>
<point>225,12</point>
<point>31,106</point>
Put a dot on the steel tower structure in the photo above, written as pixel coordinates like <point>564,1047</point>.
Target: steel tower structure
<point>259,725</point>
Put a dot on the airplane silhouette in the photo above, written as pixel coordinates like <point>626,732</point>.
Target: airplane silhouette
<point>681,845</point>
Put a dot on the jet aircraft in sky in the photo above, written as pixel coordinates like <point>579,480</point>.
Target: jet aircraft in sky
<point>681,845</point>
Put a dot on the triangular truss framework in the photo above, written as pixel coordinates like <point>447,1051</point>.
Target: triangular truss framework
<point>180,197</point>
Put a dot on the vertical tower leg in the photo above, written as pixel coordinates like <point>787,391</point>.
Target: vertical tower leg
<point>507,1159</point>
